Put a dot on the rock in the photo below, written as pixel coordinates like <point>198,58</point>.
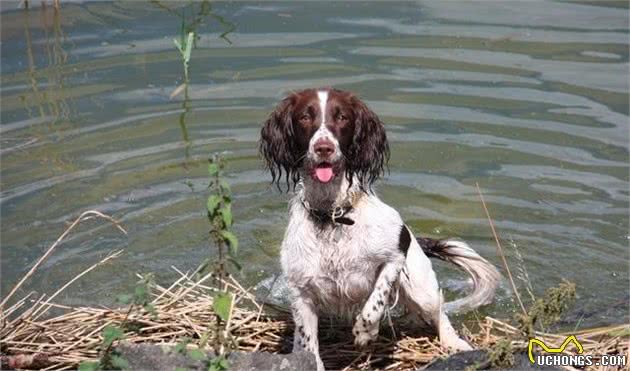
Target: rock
<point>459,361</point>
<point>274,362</point>
<point>154,357</point>
<point>274,290</point>
<point>479,359</point>
<point>160,357</point>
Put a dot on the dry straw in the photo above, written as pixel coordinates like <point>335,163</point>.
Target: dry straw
<point>183,309</point>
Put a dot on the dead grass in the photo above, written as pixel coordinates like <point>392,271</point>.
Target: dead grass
<point>183,310</point>
<point>32,338</point>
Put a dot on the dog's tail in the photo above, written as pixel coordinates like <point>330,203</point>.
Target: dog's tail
<point>484,275</point>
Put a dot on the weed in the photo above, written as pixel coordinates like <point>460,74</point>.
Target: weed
<point>501,355</point>
<point>522,273</point>
<point>547,310</point>
<point>219,208</point>
<point>139,300</point>
<point>544,312</point>
<point>185,46</point>
<point>219,363</point>
<point>219,212</point>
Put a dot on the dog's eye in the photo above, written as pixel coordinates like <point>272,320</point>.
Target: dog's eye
<point>305,119</point>
<point>342,118</point>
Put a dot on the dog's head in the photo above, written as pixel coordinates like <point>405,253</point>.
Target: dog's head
<point>324,134</point>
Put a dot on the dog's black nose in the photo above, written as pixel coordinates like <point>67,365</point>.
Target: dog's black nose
<point>324,148</point>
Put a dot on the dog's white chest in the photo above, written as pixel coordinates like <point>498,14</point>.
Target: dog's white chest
<point>337,266</point>
<point>333,266</point>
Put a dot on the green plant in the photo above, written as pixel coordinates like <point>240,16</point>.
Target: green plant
<point>193,15</point>
<point>547,310</point>
<point>219,203</point>
<point>219,363</point>
<point>109,358</point>
<point>501,355</point>
<point>219,208</point>
<point>185,46</point>
<point>544,312</point>
<point>192,18</point>
<point>219,213</point>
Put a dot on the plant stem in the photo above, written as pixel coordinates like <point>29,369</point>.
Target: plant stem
<point>500,251</point>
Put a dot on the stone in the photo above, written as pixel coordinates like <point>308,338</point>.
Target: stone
<point>274,290</point>
<point>161,357</point>
<point>478,359</point>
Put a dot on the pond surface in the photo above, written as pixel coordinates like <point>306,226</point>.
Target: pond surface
<point>528,99</point>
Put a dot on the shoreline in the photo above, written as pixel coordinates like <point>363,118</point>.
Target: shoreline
<point>184,311</point>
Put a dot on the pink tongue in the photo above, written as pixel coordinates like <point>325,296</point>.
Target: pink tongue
<point>324,174</point>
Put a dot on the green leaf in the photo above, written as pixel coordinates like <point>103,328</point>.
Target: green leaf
<point>124,298</point>
<point>223,363</point>
<point>225,186</point>
<point>148,279</point>
<point>232,241</point>
<point>89,366</point>
<point>213,169</point>
<point>213,203</point>
<point>226,213</point>
<point>181,346</point>
<point>119,362</point>
<point>219,363</point>
<point>197,354</point>
<point>112,333</point>
<point>189,46</point>
<point>204,268</point>
<point>178,45</point>
<point>221,305</point>
<point>140,295</point>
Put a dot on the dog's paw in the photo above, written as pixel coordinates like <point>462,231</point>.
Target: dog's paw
<point>364,331</point>
<point>455,344</point>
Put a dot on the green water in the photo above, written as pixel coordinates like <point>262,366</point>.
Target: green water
<point>528,99</point>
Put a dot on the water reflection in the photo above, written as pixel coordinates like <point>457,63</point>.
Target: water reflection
<point>192,16</point>
<point>537,115</point>
<point>50,101</point>
<point>47,100</point>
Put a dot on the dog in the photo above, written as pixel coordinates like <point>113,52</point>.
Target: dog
<point>345,252</point>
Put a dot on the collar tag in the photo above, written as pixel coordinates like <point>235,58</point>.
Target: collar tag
<point>336,215</point>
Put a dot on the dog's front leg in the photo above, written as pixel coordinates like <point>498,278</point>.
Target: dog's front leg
<point>305,335</point>
<point>365,328</point>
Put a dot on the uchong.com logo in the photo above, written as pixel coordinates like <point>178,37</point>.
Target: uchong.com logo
<point>557,357</point>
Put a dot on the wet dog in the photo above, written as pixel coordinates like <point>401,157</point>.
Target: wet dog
<point>345,251</point>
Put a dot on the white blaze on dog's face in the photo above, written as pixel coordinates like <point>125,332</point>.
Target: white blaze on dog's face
<point>323,148</point>
<point>324,134</point>
<point>323,123</point>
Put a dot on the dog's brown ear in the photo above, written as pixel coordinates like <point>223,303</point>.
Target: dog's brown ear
<point>278,144</point>
<point>369,152</point>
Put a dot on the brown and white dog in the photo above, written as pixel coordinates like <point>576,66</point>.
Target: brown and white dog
<point>345,252</point>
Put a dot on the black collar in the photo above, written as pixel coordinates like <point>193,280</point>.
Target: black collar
<point>335,215</point>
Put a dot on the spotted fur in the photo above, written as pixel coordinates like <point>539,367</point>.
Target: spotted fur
<point>352,270</point>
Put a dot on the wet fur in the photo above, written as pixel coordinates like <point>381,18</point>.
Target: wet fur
<point>354,270</point>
